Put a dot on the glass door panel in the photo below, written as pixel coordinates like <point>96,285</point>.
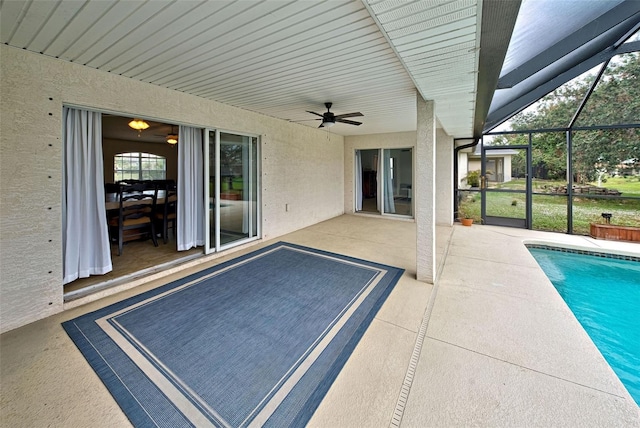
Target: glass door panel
<point>212,243</point>
<point>398,179</point>
<point>504,182</point>
<point>233,189</point>
<point>367,165</point>
<point>253,191</point>
<point>237,207</point>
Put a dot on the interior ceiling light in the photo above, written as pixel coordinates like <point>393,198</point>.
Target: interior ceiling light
<point>138,124</point>
<point>172,137</point>
<point>328,124</point>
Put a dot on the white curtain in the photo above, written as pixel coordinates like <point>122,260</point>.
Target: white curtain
<point>389,204</point>
<point>359,190</point>
<point>85,238</point>
<point>191,212</point>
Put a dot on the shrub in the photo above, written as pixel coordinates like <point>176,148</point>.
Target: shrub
<point>473,178</point>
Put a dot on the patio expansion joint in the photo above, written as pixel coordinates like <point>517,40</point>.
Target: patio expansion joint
<point>403,395</point>
<point>525,367</point>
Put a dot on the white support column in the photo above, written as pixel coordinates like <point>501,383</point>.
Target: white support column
<point>425,193</point>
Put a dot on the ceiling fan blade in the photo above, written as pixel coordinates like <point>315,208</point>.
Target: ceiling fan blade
<point>313,112</point>
<point>350,122</point>
<point>303,120</point>
<point>321,126</point>
<point>342,116</point>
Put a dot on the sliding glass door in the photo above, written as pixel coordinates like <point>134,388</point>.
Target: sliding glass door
<point>384,181</point>
<point>398,181</point>
<point>233,189</point>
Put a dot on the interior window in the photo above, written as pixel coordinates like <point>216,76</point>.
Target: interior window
<point>139,166</point>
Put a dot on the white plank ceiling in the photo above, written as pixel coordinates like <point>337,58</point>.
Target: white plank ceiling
<point>279,58</point>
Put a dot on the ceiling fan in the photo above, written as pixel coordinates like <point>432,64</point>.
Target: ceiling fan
<point>171,138</point>
<point>329,119</point>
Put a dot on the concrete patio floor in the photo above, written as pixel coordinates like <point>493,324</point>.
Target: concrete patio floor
<point>491,344</point>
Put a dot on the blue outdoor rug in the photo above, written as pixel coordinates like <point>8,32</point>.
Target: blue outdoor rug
<point>255,341</point>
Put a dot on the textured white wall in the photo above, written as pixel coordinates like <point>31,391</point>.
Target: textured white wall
<point>463,168</point>
<point>375,141</point>
<point>301,166</point>
<point>444,178</point>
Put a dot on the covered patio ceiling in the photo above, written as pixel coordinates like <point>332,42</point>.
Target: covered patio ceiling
<point>282,58</point>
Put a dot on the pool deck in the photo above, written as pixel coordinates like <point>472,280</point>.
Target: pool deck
<point>490,344</point>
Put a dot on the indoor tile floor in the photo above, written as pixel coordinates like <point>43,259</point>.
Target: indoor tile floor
<point>490,344</point>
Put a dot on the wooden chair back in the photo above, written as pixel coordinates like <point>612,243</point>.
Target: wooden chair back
<point>166,213</point>
<point>135,212</point>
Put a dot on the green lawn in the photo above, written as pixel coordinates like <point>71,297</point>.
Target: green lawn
<point>550,212</point>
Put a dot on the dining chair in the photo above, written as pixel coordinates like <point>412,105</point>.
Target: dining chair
<point>135,213</point>
<point>166,213</point>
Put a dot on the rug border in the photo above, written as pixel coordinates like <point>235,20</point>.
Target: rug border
<point>320,392</point>
<point>127,401</point>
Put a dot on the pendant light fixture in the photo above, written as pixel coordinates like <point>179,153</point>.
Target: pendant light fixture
<point>173,137</point>
<point>138,124</point>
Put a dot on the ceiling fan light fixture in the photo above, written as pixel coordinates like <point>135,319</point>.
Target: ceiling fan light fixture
<point>138,124</point>
<point>172,139</point>
<point>329,119</point>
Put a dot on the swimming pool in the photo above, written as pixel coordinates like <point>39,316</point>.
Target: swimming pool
<point>603,292</point>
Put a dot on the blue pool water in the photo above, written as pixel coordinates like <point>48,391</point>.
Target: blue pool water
<point>604,295</point>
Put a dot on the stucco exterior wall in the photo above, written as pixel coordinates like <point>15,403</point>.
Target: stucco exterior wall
<point>463,167</point>
<point>375,141</point>
<point>473,165</point>
<point>444,178</point>
<point>507,169</point>
<point>302,167</point>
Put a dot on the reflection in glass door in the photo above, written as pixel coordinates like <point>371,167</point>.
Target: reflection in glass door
<point>233,188</point>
